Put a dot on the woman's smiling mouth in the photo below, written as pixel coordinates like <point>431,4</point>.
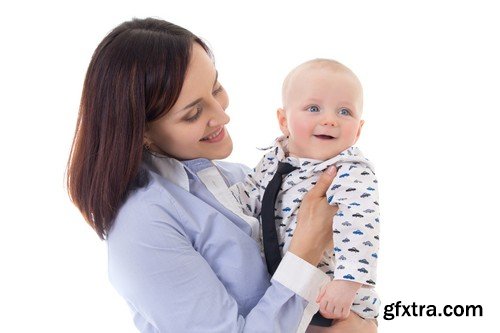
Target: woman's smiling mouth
<point>215,136</point>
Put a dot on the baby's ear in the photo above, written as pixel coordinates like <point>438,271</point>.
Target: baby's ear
<point>361,123</point>
<point>282,121</point>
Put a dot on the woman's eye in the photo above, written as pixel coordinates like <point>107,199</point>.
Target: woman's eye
<point>344,112</point>
<point>217,91</point>
<point>313,108</point>
<point>197,115</point>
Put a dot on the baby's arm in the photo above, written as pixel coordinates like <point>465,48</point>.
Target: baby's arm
<point>249,192</point>
<point>356,224</point>
<point>356,234</point>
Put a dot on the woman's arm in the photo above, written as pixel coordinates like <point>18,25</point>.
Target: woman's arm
<point>172,288</point>
<point>172,283</point>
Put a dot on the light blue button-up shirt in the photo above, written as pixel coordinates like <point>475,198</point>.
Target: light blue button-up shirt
<point>185,262</point>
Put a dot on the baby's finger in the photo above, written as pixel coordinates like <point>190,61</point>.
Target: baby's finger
<point>337,313</point>
<point>330,307</point>
<point>321,293</point>
<point>345,312</point>
<point>322,306</point>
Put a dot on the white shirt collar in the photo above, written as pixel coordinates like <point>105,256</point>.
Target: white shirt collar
<point>281,151</point>
<point>169,168</point>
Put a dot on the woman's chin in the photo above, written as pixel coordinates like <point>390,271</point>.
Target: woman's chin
<point>226,150</point>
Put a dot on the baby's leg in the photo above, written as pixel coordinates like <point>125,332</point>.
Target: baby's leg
<point>319,329</point>
<point>353,324</point>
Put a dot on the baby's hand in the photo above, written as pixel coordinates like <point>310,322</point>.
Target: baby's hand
<point>335,298</point>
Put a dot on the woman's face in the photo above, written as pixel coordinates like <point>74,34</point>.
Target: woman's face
<point>195,126</point>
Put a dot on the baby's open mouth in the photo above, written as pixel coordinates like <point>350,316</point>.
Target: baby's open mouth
<point>324,137</point>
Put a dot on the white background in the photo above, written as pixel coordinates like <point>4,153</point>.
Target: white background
<point>431,75</point>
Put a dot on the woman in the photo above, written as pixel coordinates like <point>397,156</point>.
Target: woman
<point>151,121</point>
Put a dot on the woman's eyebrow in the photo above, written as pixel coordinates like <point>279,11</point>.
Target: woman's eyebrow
<point>190,105</point>
<point>193,103</point>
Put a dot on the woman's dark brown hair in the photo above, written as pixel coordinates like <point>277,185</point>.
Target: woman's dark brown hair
<point>134,77</point>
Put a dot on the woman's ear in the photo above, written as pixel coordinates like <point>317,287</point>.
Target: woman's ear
<point>282,121</point>
<point>146,139</point>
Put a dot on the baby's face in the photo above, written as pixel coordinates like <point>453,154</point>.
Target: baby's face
<point>321,112</point>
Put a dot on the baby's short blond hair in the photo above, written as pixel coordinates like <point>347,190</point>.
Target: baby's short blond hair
<point>315,63</point>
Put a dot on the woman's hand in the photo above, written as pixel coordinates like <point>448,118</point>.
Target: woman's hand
<point>313,234</point>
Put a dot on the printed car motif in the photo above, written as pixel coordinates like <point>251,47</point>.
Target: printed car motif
<point>355,225</point>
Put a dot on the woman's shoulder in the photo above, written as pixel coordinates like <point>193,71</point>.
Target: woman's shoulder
<point>158,200</point>
<point>156,189</point>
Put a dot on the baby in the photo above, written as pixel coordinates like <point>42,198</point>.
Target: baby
<point>321,121</point>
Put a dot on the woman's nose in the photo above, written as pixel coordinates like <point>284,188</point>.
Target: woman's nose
<point>218,117</point>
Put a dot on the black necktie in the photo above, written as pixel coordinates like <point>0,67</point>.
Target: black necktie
<point>269,233</point>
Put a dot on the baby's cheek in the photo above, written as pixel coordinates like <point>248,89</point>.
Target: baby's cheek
<point>298,138</point>
<point>299,129</point>
<point>350,132</point>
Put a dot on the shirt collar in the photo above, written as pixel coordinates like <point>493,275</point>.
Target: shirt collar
<point>167,167</point>
<point>177,172</point>
<point>281,151</point>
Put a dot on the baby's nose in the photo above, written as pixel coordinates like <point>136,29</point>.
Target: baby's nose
<point>329,122</point>
<point>329,119</point>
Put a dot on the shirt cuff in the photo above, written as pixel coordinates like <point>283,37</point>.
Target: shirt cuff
<point>300,277</point>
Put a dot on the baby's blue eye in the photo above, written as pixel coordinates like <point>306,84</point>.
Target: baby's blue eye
<point>344,112</point>
<point>313,108</point>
